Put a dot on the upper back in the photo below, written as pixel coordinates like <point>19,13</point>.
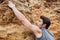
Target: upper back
<point>46,35</point>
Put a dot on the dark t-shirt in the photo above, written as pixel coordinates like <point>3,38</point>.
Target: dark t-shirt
<point>46,35</point>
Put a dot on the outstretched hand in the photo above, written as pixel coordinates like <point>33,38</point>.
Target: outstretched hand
<point>10,4</point>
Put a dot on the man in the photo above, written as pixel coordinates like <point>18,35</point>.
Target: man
<point>39,30</point>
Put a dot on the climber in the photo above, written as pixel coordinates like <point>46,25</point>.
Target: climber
<point>40,30</point>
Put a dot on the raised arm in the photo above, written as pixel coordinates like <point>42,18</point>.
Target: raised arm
<point>22,18</point>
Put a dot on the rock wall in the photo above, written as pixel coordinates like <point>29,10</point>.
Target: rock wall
<point>12,29</point>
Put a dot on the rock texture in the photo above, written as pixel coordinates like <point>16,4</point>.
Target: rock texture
<point>12,29</point>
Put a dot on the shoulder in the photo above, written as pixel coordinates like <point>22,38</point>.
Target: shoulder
<point>38,35</point>
<point>51,33</point>
<point>38,31</point>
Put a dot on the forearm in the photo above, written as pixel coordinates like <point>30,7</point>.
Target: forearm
<point>22,18</point>
<point>19,15</point>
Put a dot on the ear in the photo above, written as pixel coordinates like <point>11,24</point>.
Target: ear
<point>44,25</point>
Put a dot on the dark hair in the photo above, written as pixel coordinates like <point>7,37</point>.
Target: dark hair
<point>46,21</point>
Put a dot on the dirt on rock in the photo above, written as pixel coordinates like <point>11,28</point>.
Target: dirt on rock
<point>12,29</point>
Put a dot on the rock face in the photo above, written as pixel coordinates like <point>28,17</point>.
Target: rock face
<point>12,29</point>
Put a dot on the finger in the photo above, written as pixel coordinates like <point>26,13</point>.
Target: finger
<point>10,2</point>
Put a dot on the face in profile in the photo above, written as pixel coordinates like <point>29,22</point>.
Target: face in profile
<point>43,22</point>
<point>39,23</point>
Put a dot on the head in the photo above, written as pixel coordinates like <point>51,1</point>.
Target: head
<point>43,22</point>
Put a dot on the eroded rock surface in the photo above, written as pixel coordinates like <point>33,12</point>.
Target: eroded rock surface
<point>12,29</point>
